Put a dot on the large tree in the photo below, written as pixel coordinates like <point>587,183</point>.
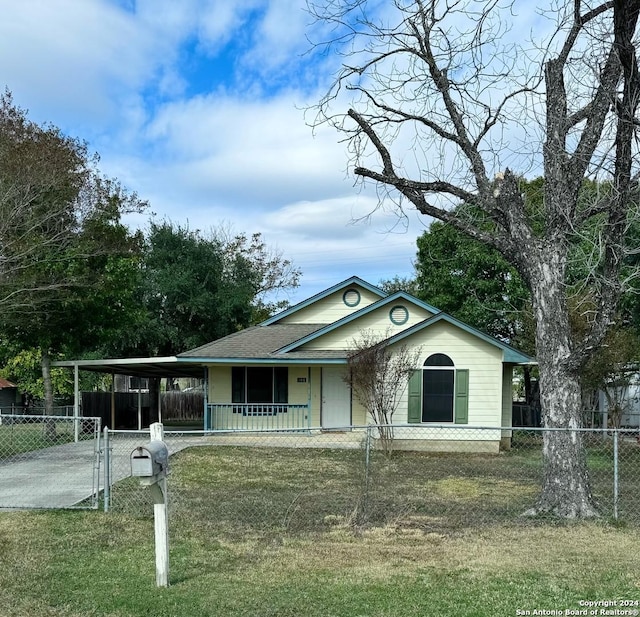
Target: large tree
<point>447,84</point>
<point>67,262</point>
<point>197,287</point>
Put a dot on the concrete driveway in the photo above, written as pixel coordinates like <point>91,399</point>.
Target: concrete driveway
<point>56,477</point>
<point>64,476</point>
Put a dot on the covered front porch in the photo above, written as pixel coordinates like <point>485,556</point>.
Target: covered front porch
<point>260,396</point>
<point>257,416</point>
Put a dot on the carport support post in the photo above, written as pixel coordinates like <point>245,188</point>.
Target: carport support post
<point>160,517</point>
<point>159,403</point>
<point>113,402</point>
<point>76,403</point>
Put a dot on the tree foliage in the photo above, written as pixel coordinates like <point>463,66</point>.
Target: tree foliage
<point>473,282</point>
<point>196,288</point>
<point>67,262</point>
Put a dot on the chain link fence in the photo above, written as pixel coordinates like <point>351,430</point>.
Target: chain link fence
<point>49,461</point>
<point>35,410</point>
<point>434,478</point>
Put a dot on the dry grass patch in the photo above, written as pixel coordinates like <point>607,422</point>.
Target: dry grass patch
<point>473,489</point>
<point>381,554</point>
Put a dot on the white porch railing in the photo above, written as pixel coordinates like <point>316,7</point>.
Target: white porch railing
<point>256,416</point>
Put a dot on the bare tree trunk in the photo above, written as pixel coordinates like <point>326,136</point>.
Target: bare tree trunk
<point>566,489</point>
<point>588,81</point>
<point>46,380</point>
<point>49,423</point>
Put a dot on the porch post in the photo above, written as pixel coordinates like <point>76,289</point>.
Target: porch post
<point>140,403</point>
<point>309,397</point>
<point>207,421</point>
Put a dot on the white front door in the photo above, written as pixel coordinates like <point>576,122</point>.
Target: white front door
<point>336,398</point>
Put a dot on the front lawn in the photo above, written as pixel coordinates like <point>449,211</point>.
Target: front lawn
<point>282,533</point>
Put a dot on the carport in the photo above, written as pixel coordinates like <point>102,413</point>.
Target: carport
<point>158,368</point>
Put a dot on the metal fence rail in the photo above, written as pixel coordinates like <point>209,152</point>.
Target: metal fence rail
<point>35,410</point>
<point>436,477</point>
<point>49,462</point>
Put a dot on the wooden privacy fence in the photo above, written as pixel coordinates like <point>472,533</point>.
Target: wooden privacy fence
<point>183,406</point>
<point>176,407</point>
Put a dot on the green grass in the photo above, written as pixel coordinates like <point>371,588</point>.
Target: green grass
<point>282,533</point>
<point>69,564</point>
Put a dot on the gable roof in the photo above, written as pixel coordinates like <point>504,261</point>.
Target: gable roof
<point>321,330</point>
<point>510,354</point>
<point>353,280</point>
<point>274,342</point>
<point>5,383</point>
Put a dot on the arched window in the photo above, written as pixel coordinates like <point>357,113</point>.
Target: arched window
<point>438,392</point>
<point>438,389</point>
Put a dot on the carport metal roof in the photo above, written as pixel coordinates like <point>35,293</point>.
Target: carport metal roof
<point>138,367</point>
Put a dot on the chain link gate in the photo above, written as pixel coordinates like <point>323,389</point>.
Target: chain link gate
<point>49,462</point>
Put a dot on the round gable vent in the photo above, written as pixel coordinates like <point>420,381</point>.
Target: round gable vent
<point>399,315</point>
<point>351,297</point>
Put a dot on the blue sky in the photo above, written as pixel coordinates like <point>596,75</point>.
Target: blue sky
<point>197,105</point>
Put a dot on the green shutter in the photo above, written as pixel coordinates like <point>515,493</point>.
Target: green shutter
<point>462,396</point>
<point>414,412</point>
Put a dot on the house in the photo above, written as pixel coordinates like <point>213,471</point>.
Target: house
<point>288,372</point>
<point>9,395</point>
<point>619,402</point>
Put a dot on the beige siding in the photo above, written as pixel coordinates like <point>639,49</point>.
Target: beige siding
<point>359,414</point>
<point>507,395</point>
<point>377,322</point>
<point>332,308</point>
<point>219,384</point>
<point>484,362</point>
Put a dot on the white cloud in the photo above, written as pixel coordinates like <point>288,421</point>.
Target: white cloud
<point>261,152</point>
<point>72,59</point>
<point>114,75</point>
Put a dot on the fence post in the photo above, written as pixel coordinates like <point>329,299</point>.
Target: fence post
<point>615,473</point>
<point>107,469</point>
<point>160,517</point>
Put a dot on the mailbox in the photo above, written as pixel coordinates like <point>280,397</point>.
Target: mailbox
<point>150,460</point>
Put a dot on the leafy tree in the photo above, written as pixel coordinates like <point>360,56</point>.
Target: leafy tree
<point>399,283</point>
<point>445,81</point>
<point>66,259</point>
<point>25,368</point>
<point>473,282</point>
<point>197,288</point>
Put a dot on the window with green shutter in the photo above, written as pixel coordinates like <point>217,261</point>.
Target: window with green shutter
<point>462,396</point>
<point>438,393</point>
<point>414,414</point>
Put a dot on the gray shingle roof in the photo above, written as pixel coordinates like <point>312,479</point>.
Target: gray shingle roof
<point>257,342</point>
